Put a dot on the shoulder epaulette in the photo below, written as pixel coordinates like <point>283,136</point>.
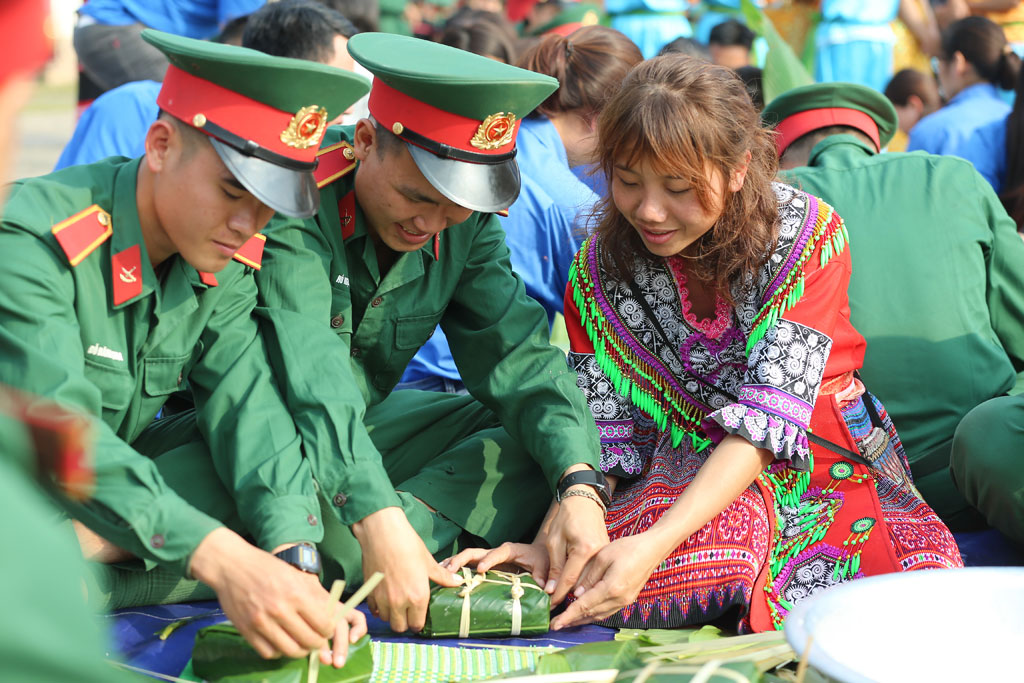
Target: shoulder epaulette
<point>503,213</point>
<point>333,162</point>
<point>251,253</point>
<point>80,234</point>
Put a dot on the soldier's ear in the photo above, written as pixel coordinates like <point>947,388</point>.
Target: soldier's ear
<point>364,138</point>
<point>159,140</point>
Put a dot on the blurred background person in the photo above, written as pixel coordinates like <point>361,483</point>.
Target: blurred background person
<point>480,32</point>
<point>547,223</point>
<point>974,63</point>
<point>108,34</point>
<point>730,44</point>
<point>686,46</point>
<point>914,95</point>
<point>854,42</point>
<point>116,123</point>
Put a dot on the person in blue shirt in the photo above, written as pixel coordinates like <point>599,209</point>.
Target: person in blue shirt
<point>649,23</point>
<point>108,35</point>
<point>975,62</point>
<point>115,124</point>
<point>547,223</point>
<point>854,42</point>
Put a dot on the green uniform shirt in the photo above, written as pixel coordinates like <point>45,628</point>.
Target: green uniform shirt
<point>62,337</point>
<point>341,335</point>
<point>937,287</point>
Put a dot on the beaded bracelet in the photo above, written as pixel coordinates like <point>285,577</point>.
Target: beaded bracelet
<point>586,494</point>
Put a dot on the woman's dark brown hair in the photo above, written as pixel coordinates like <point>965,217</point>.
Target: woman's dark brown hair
<point>686,117</point>
<point>589,64</point>
<point>983,44</point>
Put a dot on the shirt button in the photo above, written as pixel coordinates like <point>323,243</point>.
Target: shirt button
<point>337,321</point>
<point>312,520</point>
<point>376,302</point>
<point>340,499</point>
<point>356,352</point>
<point>157,541</point>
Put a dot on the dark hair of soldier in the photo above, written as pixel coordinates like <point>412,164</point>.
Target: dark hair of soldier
<point>683,116</point>
<point>300,29</point>
<point>732,32</point>
<point>589,64</point>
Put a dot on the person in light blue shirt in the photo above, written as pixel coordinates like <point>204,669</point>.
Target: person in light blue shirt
<point>115,124</point>
<point>547,223</point>
<point>975,62</point>
<point>986,149</point>
<point>854,42</point>
<point>650,23</point>
<point>108,39</point>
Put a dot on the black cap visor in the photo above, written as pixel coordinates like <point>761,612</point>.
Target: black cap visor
<point>287,191</point>
<point>481,187</point>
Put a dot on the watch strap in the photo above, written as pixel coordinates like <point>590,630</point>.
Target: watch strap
<point>593,478</point>
<point>302,556</point>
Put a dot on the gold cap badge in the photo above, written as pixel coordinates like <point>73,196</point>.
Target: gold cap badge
<point>306,128</point>
<point>497,130</point>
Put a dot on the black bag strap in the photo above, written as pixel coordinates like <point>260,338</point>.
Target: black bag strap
<point>813,438</point>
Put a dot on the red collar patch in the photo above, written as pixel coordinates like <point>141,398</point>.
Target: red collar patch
<point>347,214</point>
<point>126,274</point>
<point>251,253</point>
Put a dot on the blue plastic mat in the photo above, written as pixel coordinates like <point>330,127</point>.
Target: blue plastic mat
<point>135,634</point>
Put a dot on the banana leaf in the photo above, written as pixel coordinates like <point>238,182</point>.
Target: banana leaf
<point>670,636</point>
<point>222,654</point>
<point>490,607</point>
<point>783,70</point>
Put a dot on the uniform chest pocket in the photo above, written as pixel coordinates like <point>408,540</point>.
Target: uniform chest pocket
<point>412,332</point>
<point>116,386</point>
<point>164,375</point>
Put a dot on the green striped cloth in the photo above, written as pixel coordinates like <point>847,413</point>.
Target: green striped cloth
<point>416,663</point>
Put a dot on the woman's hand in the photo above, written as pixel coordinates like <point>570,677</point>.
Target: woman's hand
<point>613,579</point>
<point>533,557</point>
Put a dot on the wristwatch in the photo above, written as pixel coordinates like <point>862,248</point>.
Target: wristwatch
<point>592,478</point>
<point>302,556</point>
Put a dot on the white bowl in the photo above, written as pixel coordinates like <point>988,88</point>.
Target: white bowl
<point>933,625</point>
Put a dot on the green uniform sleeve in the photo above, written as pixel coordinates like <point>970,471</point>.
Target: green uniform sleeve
<point>312,365</point>
<point>499,340</point>
<point>242,416</point>
<point>1005,262</point>
<point>41,352</point>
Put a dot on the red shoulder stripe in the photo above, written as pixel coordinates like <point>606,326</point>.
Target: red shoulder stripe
<point>251,253</point>
<point>80,234</point>
<point>333,162</point>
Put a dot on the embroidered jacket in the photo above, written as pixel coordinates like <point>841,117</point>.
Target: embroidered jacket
<point>755,370</point>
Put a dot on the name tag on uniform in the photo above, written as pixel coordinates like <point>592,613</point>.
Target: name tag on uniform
<point>342,280</point>
<point>104,352</point>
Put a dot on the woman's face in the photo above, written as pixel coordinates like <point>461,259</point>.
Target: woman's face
<point>664,209</point>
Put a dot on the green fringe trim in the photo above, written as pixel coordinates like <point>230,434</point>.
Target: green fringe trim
<point>631,376</point>
<point>830,232</point>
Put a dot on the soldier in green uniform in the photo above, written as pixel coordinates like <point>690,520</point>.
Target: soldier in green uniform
<point>937,291</point>
<point>405,239</point>
<point>128,280</point>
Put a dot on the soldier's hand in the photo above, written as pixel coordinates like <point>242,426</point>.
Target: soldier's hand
<point>277,608</point>
<point>390,545</point>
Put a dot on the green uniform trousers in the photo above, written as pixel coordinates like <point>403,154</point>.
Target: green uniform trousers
<point>448,451</point>
<point>987,463</point>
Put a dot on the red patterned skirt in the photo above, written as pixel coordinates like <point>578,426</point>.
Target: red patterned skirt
<point>787,536</point>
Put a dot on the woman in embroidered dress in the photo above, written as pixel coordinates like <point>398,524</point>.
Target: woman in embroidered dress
<point>710,332</point>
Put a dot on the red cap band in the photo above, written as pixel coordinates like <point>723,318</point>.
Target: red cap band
<point>187,97</point>
<point>796,126</point>
<point>389,106</point>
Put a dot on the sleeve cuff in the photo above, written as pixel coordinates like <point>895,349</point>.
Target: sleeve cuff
<point>285,519</point>
<point>169,532</point>
<point>785,439</point>
<point>362,489</point>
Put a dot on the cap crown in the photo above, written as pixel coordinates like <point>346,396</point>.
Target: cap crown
<point>450,79</point>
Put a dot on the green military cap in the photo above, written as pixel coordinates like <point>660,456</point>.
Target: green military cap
<point>802,110</point>
<point>458,113</point>
<point>265,115</point>
<point>571,16</point>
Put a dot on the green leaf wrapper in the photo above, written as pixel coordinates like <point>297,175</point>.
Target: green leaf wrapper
<point>222,654</point>
<point>490,607</point>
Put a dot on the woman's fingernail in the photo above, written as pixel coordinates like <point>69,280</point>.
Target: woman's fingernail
<point>550,587</point>
<point>339,661</point>
<point>580,590</point>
